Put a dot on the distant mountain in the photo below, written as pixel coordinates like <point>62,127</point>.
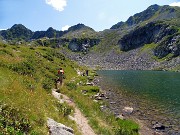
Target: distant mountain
<point>50,33</point>
<point>80,31</point>
<point>79,27</point>
<point>17,31</point>
<point>151,14</point>
<point>20,32</point>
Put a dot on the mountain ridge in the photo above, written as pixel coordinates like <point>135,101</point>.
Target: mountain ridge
<point>157,28</point>
<point>19,31</point>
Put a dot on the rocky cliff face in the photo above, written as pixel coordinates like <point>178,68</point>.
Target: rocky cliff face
<point>152,32</point>
<point>169,46</point>
<point>82,44</point>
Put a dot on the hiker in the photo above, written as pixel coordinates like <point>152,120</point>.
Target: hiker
<point>61,75</point>
<point>87,72</point>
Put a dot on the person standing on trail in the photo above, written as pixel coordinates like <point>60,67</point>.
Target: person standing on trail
<point>61,75</point>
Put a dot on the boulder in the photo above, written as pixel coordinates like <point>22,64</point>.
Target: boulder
<point>128,110</point>
<point>58,128</point>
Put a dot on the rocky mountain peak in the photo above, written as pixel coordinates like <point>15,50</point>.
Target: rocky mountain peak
<point>153,7</point>
<point>152,13</point>
<point>78,27</point>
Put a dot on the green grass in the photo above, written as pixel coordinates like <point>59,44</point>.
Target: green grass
<point>26,78</point>
<point>148,47</point>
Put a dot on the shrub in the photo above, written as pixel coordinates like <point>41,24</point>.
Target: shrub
<point>71,86</point>
<point>4,51</point>
<point>92,89</point>
<point>58,54</point>
<point>48,57</point>
<point>47,84</point>
<point>29,84</point>
<point>32,48</point>
<point>4,45</point>
<point>63,109</point>
<point>24,68</point>
<point>126,127</point>
<point>12,121</point>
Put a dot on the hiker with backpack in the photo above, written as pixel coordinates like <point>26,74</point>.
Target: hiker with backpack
<point>61,75</point>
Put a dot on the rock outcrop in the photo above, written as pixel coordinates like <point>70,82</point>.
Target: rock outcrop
<point>58,128</point>
<point>82,44</point>
<point>171,45</point>
<point>152,32</point>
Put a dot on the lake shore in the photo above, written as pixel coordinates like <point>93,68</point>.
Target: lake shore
<point>151,119</point>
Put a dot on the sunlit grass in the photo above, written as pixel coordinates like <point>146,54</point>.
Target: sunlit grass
<point>25,92</point>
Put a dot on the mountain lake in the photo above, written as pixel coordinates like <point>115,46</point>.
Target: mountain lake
<point>154,95</point>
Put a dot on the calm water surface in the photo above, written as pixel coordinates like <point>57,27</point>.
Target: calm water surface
<point>160,87</point>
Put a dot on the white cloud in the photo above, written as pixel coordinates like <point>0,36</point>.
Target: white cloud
<point>57,4</point>
<point>65,27</point>
<point>175,4</point>
<point>2,29</point>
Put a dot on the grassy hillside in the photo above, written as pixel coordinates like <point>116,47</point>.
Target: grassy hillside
<point>27,75</point>
<point>26,78</point>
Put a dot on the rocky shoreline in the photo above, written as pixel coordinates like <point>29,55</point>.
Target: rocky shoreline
<point>152,120</point>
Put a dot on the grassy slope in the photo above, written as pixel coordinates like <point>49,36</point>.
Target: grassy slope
<point>23,90</point>
<point>26,77</point>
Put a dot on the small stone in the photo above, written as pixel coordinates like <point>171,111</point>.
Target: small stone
<point>120,117</point>
<point>128,110</point>
<point>95,100</point>
<point>99,98</point>
<point>71,117</point>
<point>153,122</point>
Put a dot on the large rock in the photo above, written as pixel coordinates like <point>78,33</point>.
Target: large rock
<point>82,44</point>
<point>58,128</point>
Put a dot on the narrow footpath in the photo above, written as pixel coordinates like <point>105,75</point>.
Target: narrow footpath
<point>79,118</point>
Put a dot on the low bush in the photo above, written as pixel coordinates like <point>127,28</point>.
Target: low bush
<point>71,86</point>
<point>48,57</point>
<point>12,121</point>
<point>64,109</point>
<point>4,51</point>
<point>24,68</point>
<point>126,127</point>
<point>48,84</point>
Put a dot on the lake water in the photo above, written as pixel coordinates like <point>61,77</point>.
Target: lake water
<point>157,88</point>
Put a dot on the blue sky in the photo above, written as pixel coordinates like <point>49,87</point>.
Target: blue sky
<point>97,14</point>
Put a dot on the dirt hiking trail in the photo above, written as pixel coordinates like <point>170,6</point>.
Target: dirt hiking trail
<point>79,118</point>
